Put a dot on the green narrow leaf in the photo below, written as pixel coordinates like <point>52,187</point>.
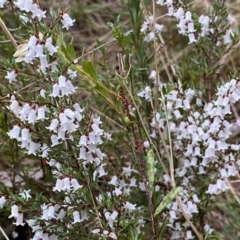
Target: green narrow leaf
<point>102,91</point>
<point>65,51</point>
<point>60,40</point>
<point>68,51</point>
<point>88,68</point>
<point>71,51</point>
<point>167,199</point>
<point>150,168</point>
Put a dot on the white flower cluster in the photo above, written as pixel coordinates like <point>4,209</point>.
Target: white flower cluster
<point>71,144</point>
<point>121,186</point>
<point>124,185</point>
<point>150,28</point>
<point>200,134</point>
<point>89,153</point>
<point>69,185</point>
<point>62,88</point>
<point>146,93</point>
<point>105,233</point>
<point>66,185</point>
<point>14,209</point>
<point>37,49</point>
<point>205,25</point>
<point>30,7</point>
<point>60,120</point>
<point>185,24</point>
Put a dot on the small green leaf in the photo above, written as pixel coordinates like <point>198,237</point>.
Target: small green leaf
<point>111,25</point>
<point>66,53</point>
<point>167,199</point>
<point>88,68</point>
<point>117,20</point>
<point>150,168</point>
<point>71,51</point>
<point>52,12</point>
<point>102,91</point>
<point>60,40</point>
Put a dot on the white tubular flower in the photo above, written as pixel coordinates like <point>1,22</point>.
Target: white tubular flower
<point>179,13</point>
<point>54,140</point>
<point>188,16</point>
<point>53,125</point>
<point>76,217</point>
<point>32,115</point>
<point>160,2</point>
<point>75,184</point>
<point>83,153</point>
<point>43,63</point>
<point>51,212</point>
<point>33,148</point>
<point>61,214</point>
<point>114,181</point>
<point>189,235</point>
<point>2,2</point>
<point>44,212</point>
<point>192,38</point>
<point>69,113</point>
<point>66,184</point>
<point>111,217</point>
<point>25,135</point>
<point>51,49</point>
<point>84,215</point>
<point>227,37</point>
<point>55,91</point>
<point>204,21</point>
<point>14,211</point>
<point>67,21</point>
<point>24,5</point>
<point>15,132</point>
<point>19,220</point>
<point>37,12</point>
<point>59,185</point>
<point>83,141</point>
<point>170,11</point>
<point>39,50</point>
<point>41,112</point>
<point>191,27</point>
<point>2,201</point>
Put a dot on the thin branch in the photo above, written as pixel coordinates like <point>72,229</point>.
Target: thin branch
<point>9,35</point>
<point>3,233</point>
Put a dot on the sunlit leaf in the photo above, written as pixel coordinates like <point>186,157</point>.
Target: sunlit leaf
<point>167,199</point>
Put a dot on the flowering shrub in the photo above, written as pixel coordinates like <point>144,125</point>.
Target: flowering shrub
<point>148,159</point>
